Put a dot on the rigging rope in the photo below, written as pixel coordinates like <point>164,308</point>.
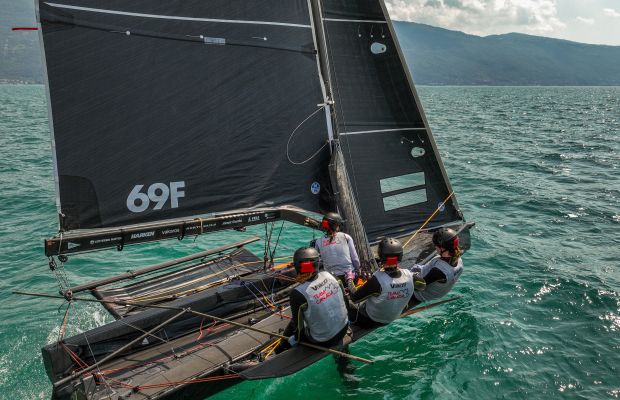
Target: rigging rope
<point>169,292</point>
<point>59,272</point>
<point>63,327</point>
<point>322,106</point>
<point>348,206</point>
<point>429,218</point>
<point>273,253</point>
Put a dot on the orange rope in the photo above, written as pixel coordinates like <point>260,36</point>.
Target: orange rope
<point>191,350</point>
<point>428,219</point>
<point>280,266</point>
<point>81,364</point>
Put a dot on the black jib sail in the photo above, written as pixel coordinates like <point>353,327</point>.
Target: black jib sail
<point>393,164</point>
<point>166,110</point>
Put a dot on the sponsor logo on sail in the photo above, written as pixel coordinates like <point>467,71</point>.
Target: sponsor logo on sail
<point>142,235</point>
<point>315,188</point>
<point>105,240</point>
<point>198,227</point>
<point>158,193</point>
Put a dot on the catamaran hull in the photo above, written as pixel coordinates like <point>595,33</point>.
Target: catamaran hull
<point>204,362</point>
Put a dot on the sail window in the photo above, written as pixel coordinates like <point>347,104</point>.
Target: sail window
<point>404,199</point>
<point>402,182</point>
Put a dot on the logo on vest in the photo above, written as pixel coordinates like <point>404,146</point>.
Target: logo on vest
<point>318,285</point>
<point>398,295</point>
<point>323,295</point>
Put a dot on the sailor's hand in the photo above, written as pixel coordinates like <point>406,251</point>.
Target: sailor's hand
<point>419,283</point>
<point>293,341</point>
<point>349,275</point>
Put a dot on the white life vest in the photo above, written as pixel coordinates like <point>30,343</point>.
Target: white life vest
<point>395,294</point>
<point>335,253</point>
<point>326,314</point>
<point>438,289</point>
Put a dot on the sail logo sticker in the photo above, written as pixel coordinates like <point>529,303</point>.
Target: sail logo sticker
<point>315,188</point>
<point>377,48</point>
<point>158,193</point>
<point>441,207</point>
<point>142,235</point>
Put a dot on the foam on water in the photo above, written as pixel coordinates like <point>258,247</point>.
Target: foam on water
<point>536,168</point>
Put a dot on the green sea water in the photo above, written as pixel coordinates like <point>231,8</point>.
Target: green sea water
<point>537,169</point>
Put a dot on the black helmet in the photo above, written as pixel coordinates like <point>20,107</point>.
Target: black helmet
<point>390,251</point>
<point>331,220</point>
<point>306,260</point>
<point>446,238</point>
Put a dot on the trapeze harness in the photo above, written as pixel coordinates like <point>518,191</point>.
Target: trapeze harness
<point>438,289</point>
<point>395,295</point>
<point>326,314</point>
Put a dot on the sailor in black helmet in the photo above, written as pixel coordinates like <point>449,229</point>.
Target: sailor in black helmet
<point>388,291</point>
<point>444,270</point>
<point>319,312</point>
<point>337,250</point>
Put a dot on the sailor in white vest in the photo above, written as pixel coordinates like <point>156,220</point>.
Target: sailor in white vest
<point>337,250</point>
<point>318,308</point>
<point>444,270</point>
<point>388,292</point>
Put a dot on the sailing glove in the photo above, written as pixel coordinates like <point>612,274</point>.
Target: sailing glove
<point>293,341</point>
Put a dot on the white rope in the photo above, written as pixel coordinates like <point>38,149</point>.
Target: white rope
<point>293,134</point>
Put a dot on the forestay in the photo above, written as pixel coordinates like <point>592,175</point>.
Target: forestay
<point>395,171</point>
<point>171,109</point>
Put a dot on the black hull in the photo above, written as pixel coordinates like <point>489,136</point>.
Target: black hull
<point>200,363</point>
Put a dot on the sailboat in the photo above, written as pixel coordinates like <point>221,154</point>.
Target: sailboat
<point>183,118</point>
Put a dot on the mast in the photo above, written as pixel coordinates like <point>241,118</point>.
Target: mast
<point>339,178</point>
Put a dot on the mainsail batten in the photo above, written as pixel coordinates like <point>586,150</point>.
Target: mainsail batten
<point>149,129</point>
<point>172,17</point>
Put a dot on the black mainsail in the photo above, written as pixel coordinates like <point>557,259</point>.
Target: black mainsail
<point>174,109</point>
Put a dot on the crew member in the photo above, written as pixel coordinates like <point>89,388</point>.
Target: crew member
<point>388,291</point>
<point>444,270</point>
<point>337,250</point>
<point>319,312</point>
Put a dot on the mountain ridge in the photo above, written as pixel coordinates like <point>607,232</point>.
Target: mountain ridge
<point>439,56</point>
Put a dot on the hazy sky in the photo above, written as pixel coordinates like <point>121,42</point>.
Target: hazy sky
<point>587,21</point>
